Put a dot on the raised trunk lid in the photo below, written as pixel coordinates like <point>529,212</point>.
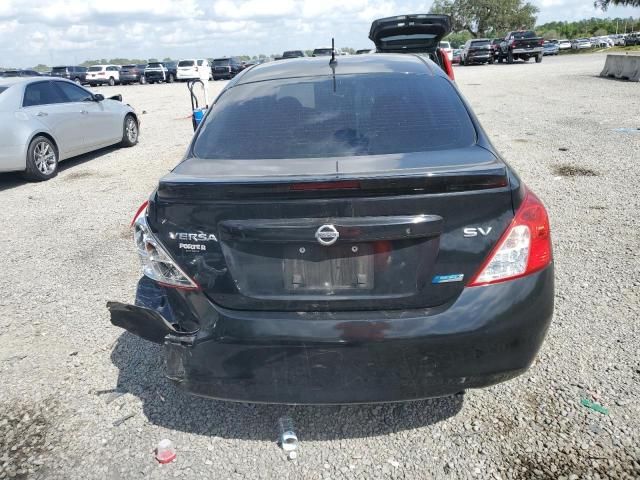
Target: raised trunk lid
<point>268,241</point>
<point>409,33</point>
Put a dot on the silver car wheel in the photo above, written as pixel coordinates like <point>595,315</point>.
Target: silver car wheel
<point>44,156</point>
<point>131,130</point>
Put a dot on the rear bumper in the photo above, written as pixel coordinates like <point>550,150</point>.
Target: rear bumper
<point>529,51</point>
<point>129,78</point>
<point>488,335</point>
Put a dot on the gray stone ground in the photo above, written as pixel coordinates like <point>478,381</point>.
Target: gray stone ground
<point>66,250</point>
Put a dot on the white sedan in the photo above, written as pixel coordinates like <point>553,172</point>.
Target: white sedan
<point>46,120</point>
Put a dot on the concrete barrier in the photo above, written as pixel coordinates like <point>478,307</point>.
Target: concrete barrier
<point>622,66</point>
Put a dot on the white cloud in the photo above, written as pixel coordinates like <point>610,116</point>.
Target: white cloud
<point>70,31</point>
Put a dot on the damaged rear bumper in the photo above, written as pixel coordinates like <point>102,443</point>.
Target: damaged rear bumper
<point>488,335</point>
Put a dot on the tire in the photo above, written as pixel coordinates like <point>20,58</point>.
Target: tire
<point>112,81</point>
<point>499,59</point>
<point>77,80</point>
<point>130,131</point>
<point>538,58</point>
<point>509,58</point>
<point>171,78</point>
<point>42,160</point>
<point>143,80</point>
<point>490,61</point>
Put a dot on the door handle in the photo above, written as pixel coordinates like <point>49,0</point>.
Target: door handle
<point>41,114</point>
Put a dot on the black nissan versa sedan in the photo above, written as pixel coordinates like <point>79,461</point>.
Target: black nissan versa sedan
<point>341,232</point>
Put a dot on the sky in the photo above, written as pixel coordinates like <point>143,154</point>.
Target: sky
<point>58,32</point>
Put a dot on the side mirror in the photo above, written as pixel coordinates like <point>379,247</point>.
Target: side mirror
<point>116,97</point>
<point>98,97</point>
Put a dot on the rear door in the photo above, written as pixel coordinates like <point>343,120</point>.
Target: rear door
<point>420,33</point>
<point>47,105</point>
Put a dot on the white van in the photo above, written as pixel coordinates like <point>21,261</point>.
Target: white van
<point>446,46</point>
<point>194,68</point>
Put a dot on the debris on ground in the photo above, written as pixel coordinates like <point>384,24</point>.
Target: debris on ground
<point>120,421</point>
<point>595,406</point>
<point>165,451</point>
<point>288,437</point>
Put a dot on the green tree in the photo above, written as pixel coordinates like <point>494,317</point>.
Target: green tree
<point>550,35</point>
<point>457,39</point>
<point>41,68</point>
<point>604,4</point>
<point>487,18</point>
<point>167,59</point>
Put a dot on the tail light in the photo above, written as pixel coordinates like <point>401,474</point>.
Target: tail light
<point>446,64</point>
<point>156,262</point>
<point>339,185</point>
<point>512,42</point>
<point>541,41</point>
<point>524,248</point>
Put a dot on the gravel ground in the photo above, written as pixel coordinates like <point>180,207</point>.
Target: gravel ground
<point>82,399</point>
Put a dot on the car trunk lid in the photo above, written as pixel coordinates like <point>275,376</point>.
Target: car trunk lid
<point>358,233</point>
<point>409,33</point>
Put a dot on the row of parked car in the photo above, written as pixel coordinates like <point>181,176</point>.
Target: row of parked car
<point>152,72</point>
<point>525,45</point>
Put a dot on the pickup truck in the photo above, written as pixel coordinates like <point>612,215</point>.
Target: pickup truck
<point>156,72</point>
<point>523,44</point>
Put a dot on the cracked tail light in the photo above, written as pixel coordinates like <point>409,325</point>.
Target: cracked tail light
<point>524,248</point>
<point>156,262</point>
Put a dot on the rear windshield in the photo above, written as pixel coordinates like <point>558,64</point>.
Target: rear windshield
<point>445,45</point>
<point>95,69</point>
<point>128,66</point>
<point>221,62</point>
<point>292,53</point>
<point>371,114</point>
<point>186,63</point>
<point>59,69</point>
<point>322,51</point>
<point>529,34</point>
<point>154,65</point>
<point>480,43</point>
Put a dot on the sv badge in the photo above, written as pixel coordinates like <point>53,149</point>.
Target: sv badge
<point>475,231</point>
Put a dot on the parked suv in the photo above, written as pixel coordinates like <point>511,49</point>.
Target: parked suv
<point>476,51</point>
<point>101,74</point>
<point>156,72</point>
<point>632,39</point>
<point>76,74</point>
<point>293,54</point>
<point>132,74</point>
<point>192,69</point>
<point>225,68</point>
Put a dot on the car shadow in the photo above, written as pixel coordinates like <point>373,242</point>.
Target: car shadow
<point>11,180</point>
<point>140,365</point>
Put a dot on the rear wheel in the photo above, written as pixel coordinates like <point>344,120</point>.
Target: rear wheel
<point>539,58</point>
<point>143,80</point>
<point>129,131</point>
<point>171,78</point>
<point>77,80</point>
<point>112,81</point>
<point>42,160</point>
<point>509,57</point>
